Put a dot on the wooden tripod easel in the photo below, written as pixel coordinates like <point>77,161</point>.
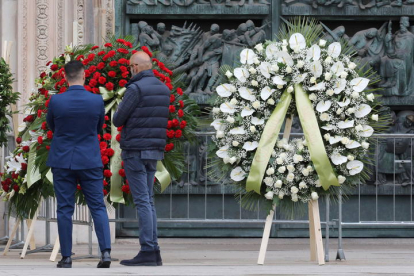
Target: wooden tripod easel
<point>315,232</point>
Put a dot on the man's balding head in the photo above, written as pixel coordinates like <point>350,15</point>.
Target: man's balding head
<point>140,61</point>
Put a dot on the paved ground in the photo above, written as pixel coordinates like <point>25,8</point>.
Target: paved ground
<point>233,257</point>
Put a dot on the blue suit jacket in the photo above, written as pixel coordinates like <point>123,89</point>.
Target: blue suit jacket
<point>75,117</point>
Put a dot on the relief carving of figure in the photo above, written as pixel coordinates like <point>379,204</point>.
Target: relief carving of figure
<point>149,38</point>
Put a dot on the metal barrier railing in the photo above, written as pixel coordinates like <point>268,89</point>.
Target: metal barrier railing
<point>81,216</point>
<point>396,149</point>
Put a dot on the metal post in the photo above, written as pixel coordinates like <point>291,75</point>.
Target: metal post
<point>340,255</point>
<point>6,224</point>
<point>327,229</point>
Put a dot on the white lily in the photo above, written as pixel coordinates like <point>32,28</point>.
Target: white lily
<point>323,106</point>
<point>247,94</point>
<point>266,92</point>
<point>247,111</point>
<point>337,68</point>
<point>355,167</point>
<point>338,159</point>
<point>237,131</point>
<point>340,85</point>
<point>247,56</point>
<point>256,121</point>
<point>249,146</point>
<point>297,41</point>
<point>241,74</point>
<point>314,53</point>
<point>218,124</point>
<point>237,174</point>
<point>265,68</point>
<point>318,87</point>
<point>352,145</point>
<point>316,68</point>
<point>227,108</point>
<point>278,80</point>
<point>345,124</point>
<point>225,90</point>
<point>271,51</point>
<point>359,84</point>
<point>363,111</point>
<point>366,131</point>
<point>334,49</point>
<point>345,102</point>
<point>223,152</point>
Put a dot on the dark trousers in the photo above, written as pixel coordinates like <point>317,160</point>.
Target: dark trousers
<point>140,174</point>
<point>65,182</point>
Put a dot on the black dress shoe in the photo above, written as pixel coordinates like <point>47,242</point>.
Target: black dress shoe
<point>66,262</point>
<point>144,258</point>
<point>158,255</point>
<point>105,261</point>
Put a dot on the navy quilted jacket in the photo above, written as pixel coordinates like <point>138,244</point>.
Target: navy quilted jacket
<point>144,113</point>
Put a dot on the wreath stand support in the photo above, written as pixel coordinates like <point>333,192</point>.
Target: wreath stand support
<point>315,233</point>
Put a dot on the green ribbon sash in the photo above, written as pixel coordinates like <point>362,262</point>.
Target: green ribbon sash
<point>163,176</point>
<point>314,140</point>
<point>312,134</point>
<point>267,143</point>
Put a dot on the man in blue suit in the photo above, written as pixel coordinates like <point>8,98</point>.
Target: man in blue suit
<point>76,117</point>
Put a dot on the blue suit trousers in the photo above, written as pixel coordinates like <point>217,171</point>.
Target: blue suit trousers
<point>65,183</point>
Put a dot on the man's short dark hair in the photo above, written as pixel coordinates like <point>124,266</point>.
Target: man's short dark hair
<point>74,70</point>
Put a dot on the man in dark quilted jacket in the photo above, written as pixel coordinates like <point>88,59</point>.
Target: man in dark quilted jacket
<point>143,113</point>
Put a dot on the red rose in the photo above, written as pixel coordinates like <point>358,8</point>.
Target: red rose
<point>112,74</point>
<point>24,166</point>
<point>42,75</point>
<point>14,175</point>
<point>128,44</point>
<point>134,51</point>
<point>109,86</point>
<point>180,113</point>
<point>102,80</point>
<point>101,66</point>
<point>85,61</point>
<point>172,109</point>
<point>121,172</point>
<point>120,128</point>
<point>18,140</point>
<point>110,152</point>
<point>80,57</point>
<point>122,164</point>
<point>54,67</point>
<point>96,90</point>
<point>169,72</point>
<point>16,188</point>
<point>108,45</point>
<point>78,187</point>
<point>178,133</point>
<point>172,98</point>
<point>26,148</point>
<point>29,118</point>
<point>181,103</point>
<point>183,124</point>
<point>169,125</point>
<point>179,91</point>
<point>118,137</point>
<point>104,126</point>
<point>122,83</point>
<point>103,145</point>
<point>105,183</point>
<point>120,40</point>
<point>40,140</point>
<point>170,133</point>
<point>125,74</point>
<point>107,173</point>
<point>105,58</point>
<point>87,73</point>
<point>92,68</point>
<point>111,53</point>
<point>91,56</point>
<point>169,85</point>
<point>105,192</point>
<point>99,137</point>
<point>93,82</point>
<point>88,88</point>
<point>106,118</point>
<point>146,50</point>
<point>105,160</point>
<point>169,147</point>
<point>123,61</point>
<point>123,51</point>
<point>48,63</point>
<point>175,122</point>
<point>94,47</point>
<point>156,73</point>
<point>47,147</point>
<point>113,63</point>
<point>49,135</point>
<point>107,136</point>
<point>101,53</point>
<point>62,89</point>
<point>125,189</point>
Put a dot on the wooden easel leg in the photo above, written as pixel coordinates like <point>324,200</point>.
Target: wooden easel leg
<point>29,236</point>
<point>12,235</point>
<point>32,240</point>
<point>315,233</point>
<point>55,251</point>
<point>266,235</point>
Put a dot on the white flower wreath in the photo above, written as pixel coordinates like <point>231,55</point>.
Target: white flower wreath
<point>345,113</point>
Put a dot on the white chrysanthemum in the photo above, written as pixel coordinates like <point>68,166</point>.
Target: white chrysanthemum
<point>268,181</point>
